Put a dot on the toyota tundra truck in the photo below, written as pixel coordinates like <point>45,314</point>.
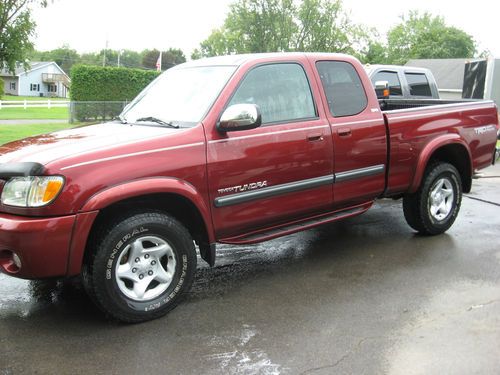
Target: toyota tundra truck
<point>235,150</point>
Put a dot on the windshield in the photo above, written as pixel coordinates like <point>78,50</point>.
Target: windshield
<point>180,95</point>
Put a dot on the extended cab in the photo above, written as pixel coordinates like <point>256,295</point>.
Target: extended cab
<point>237,150</point>
<point>405,82</point>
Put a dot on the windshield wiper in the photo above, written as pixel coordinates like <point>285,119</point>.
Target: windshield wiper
<point>158,121</point>
<point>121,119</point>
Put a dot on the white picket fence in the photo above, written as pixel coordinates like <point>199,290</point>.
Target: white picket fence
<point>34,103</point>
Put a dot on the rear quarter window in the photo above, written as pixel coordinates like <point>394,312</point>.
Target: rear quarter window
<point>419,85</point>
<point>343,88</point>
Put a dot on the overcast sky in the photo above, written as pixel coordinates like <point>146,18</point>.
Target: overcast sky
<point>86,24</point>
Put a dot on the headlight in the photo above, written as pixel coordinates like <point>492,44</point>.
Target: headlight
<point>31,191</point>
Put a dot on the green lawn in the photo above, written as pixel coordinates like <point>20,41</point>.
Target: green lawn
<point>28,98</point>
<point>13,132</point>
<point>34,113</point>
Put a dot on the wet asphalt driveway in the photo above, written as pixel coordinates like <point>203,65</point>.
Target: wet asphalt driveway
<point>364,296</point>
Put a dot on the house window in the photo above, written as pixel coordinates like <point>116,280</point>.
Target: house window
<point>35,87</point>
<point>12,86</point>
<point>52,88</point>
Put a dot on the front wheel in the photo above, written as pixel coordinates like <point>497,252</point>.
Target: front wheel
<point>141,266</point>
<point>433,208</point>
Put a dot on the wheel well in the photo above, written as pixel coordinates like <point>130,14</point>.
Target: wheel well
<point>456,155</point>
<point>179,207</point>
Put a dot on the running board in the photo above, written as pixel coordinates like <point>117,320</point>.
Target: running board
<point>296,226</point>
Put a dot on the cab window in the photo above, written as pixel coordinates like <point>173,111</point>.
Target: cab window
<point>281,91</point>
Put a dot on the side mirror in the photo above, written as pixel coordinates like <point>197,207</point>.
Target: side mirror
<point>240,117</point>
<point>382,89</point>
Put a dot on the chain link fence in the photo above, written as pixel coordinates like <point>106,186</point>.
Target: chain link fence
<point>94,111</point>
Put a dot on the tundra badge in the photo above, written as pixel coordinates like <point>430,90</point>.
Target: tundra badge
<point>242,188</point>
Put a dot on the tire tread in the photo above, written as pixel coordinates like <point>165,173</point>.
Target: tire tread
<point>90,277</point>
<point>415,204</point>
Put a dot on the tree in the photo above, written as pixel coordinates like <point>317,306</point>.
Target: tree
<point>169,58</point>
<point>424,36</point>
<point>130,59</point>
<point>127,58</point>
<point>91,58</point>
<point>64,56</point>
<point>325,26</point>
<point>280,25</point>
<point>376,53</point>
<point>217,44</point>
<point>259,26</point>
<point>16,30</point>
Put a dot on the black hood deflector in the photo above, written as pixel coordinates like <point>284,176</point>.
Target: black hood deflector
<point>10,170</point>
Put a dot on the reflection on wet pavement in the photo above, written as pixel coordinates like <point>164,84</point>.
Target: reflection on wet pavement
<point>27,298</point>
<point>365,295</point>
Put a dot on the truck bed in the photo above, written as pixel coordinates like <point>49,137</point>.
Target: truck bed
<point>415,126</point>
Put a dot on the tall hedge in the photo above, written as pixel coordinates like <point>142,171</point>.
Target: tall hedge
<point>100,93</point>
<point>95,83</point>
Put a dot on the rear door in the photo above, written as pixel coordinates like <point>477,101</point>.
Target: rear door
<point>280,171</point>
<point>419,85</point>
<point>358,132</point>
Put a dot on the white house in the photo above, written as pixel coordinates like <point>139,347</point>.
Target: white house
<point>43,78</point>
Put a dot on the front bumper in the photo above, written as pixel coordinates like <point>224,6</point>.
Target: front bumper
<point>41,244</point>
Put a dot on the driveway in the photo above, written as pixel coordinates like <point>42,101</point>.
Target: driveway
<point>362,296</point>
<point>29,122</point>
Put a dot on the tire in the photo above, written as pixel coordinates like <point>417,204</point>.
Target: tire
<point>433,208</point>
<point>141,266</point>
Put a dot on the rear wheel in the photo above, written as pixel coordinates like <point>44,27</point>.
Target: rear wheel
<point>141,266</point>
<point>433,208</point>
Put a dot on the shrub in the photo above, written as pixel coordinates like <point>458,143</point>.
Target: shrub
<point>95,85</point>
<point>1,88</point>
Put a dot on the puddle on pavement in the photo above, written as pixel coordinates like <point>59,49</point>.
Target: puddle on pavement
<point>23,298</point>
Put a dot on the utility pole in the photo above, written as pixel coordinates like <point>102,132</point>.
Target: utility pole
<point>119,54</point>
<point>104,54</point>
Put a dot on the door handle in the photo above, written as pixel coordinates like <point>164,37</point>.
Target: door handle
<point>315,137</point>
<point>344,132</point>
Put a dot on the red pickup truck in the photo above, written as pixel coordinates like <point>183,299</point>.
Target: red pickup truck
<point>236,150</point>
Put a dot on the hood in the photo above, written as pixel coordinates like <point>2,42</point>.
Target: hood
<point>46,148</point>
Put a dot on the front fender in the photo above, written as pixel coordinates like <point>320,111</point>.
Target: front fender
<point>427,152</point>
<point>114,194</point>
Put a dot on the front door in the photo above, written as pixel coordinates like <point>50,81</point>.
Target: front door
<point>280,171</point>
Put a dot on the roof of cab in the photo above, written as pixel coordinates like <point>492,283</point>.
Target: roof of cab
<point>237,60</point>
<point>371,68</point>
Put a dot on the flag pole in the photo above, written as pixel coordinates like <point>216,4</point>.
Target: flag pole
<point>158,63</point>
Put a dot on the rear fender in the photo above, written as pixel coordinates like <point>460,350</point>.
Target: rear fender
<point>426,154</point>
